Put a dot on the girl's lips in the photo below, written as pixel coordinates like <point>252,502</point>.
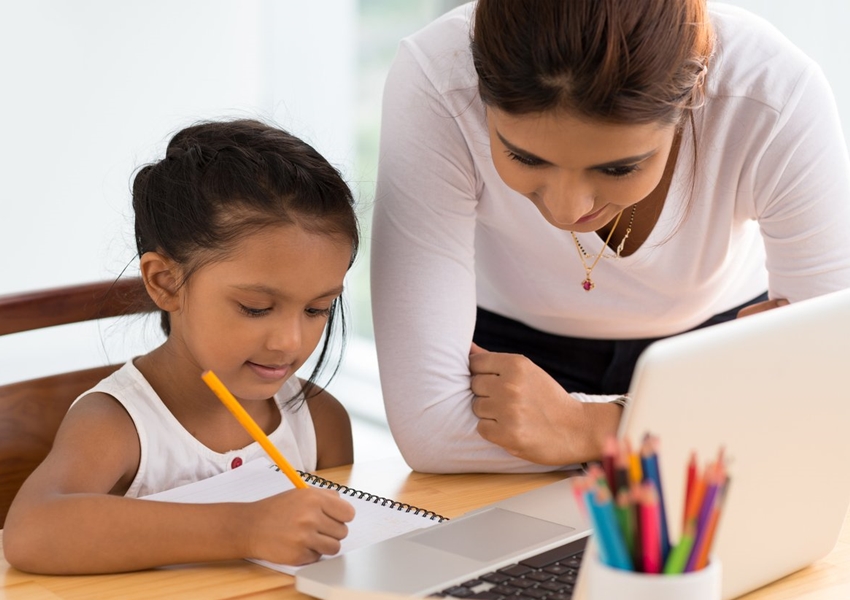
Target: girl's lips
<point>269,372</point>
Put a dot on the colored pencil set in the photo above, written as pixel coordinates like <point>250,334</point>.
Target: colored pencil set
<point>625,503</point>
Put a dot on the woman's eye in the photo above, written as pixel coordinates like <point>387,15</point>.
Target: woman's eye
<point>318,312</point>
<point>254,312</point>
<point>620,171</point>
<point>524,160</point>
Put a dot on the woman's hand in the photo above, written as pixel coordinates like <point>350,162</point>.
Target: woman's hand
<point>526,412</point>
<point>297,527</point>
<point>761,307</point>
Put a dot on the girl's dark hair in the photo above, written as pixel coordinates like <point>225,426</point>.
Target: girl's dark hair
<point>620,61</point>
<point>222,180</point>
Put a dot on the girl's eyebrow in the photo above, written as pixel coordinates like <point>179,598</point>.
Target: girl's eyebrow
<point>270,291</point>
<point>620,162</point>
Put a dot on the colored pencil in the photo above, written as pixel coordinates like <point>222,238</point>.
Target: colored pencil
<point>635,496</point>
<point>650,529</point>
<point>624,500</point>
<point>705,547</point>
<point>635,471</point>
<point>679,554</point>
<point>625,520</point>
<point>621,472</point>
<point>652,472</point>
<point>580,486</point>
<point>713,482</point>
<point>608,535</point>
<point>608,454</point>
<point>695,500</point>
<point>691,482</point>
<point>251,427</point>
<point>597,476</point>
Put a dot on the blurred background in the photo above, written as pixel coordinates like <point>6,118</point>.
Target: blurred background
<point>90,90</point>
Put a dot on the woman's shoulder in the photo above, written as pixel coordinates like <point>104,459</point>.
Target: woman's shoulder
<point>753,59</point>
<point>441,49</point>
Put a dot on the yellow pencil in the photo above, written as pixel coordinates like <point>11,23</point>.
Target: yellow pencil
<point>251,427</point>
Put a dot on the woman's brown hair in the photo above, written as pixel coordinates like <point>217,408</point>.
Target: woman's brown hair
<point>622,61</point>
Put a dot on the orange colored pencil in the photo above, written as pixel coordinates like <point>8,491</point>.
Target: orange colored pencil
<point>232,404</point>
<point>635,470</point>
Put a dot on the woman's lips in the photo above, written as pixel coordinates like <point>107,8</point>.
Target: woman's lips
<point>591,217</point>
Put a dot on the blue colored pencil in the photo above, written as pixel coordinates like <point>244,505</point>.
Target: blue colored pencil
<point>608,535</point>
<point>651,471</point>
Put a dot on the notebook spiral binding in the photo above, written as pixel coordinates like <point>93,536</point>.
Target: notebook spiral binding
<point>388,502</point>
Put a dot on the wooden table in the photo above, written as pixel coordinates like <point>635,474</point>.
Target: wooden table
<point>449,495</point>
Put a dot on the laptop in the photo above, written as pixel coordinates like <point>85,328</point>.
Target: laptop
<point>770,388</point>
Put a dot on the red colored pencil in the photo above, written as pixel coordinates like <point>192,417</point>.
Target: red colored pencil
<point>689,486</point>
<point>650,529</point>
<point>580,486</point>
<point>695,498</point>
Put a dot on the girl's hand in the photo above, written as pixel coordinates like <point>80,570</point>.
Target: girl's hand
<point>297,527</point>
<point>526,412</point>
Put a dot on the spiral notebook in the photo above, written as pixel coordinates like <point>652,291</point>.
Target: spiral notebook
<point>376,518</point>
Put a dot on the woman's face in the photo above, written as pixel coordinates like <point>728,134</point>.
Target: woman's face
<point>578,173</point>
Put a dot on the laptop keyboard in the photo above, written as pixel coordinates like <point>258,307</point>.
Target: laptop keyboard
<point>550,575</point>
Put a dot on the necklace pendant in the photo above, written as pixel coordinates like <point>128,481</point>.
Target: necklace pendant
<point>588,284</point>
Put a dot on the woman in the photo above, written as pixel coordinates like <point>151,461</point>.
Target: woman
<point>561,183</point>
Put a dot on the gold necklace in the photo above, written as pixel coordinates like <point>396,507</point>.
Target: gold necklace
<point>588,284</point>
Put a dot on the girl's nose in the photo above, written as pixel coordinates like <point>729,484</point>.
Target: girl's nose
<point>285,336</point>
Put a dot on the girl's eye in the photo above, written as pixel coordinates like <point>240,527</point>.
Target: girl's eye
<point>254,312</point>
<point>620,171</point>
<point>318,312</point>
<point>524,160</point>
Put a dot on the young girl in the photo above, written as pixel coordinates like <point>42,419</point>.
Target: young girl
<point>244,234</point>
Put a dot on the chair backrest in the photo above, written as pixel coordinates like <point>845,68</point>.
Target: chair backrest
<point>30,411</point>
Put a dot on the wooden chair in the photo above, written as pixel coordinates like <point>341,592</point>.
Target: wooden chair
<point>30,411</point>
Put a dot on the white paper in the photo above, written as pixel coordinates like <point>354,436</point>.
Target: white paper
<point>260,479</point>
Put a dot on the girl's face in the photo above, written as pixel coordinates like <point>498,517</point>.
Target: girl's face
<point>578,173</point>
<point>255,317</point>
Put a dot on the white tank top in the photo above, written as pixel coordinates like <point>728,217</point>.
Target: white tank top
<point>171,456</point>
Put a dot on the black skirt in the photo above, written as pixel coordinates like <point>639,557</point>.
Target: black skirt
<point>579,364</point>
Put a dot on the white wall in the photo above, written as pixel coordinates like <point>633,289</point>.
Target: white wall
<point>92,89</point>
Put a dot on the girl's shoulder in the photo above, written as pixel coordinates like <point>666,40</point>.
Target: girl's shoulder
<point>117,384</point>
<point>101,406</point>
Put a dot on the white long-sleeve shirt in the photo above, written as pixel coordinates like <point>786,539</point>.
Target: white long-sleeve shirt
<point>767,208</point>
